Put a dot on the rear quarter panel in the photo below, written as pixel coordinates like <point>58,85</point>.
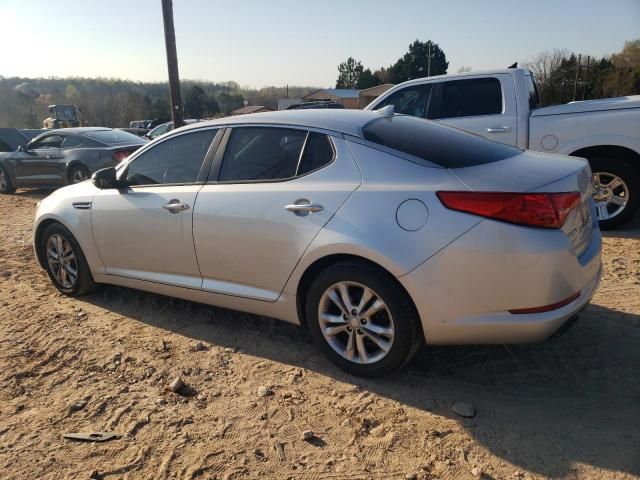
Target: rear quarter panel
<point>366,224</point>
<point>567,133</point>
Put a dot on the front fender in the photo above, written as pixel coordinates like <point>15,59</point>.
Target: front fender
<point>59,207</point>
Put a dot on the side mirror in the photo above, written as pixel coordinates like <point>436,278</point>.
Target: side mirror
<point>23,148</point>
<point>105,178</point>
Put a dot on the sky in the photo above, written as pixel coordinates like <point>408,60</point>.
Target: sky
<point>297,42</point>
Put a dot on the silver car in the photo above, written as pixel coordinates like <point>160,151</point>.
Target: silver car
<point>375,231</point>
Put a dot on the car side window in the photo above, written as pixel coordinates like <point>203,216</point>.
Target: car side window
<point>262,153</point>
<point>468,98</point>
<point>318,152</point>
<point>175,160</point>
<point>413,100</point>
<point>159,130</point>
<point>50,141</point>
<point>70,141</point>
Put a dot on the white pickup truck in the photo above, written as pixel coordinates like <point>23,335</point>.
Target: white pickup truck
<point>503,105</point>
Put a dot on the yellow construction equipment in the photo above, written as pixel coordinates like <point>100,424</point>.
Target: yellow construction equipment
<point>64,116</point>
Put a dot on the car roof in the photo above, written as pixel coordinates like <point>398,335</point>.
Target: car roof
<point>452,76</point>
<point>80,130</point>
<point>349,122</point>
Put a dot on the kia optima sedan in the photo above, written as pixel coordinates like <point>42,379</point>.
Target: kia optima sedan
<point>375,231</point>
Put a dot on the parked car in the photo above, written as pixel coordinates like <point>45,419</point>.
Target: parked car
<point>167,127</point>
<point>61,157</point>
<point>139,124</point>
<point>376,232</point>
<point>503,105</point>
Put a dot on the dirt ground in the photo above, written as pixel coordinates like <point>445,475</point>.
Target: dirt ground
<point>565,408</point>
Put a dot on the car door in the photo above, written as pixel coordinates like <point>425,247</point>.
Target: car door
<point>271,192</point>
<point>144,230</point>
<point>482,105</point>
<point>39,163</point>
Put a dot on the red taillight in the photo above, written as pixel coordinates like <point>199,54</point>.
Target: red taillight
<point>544,210</point>
<point>546,308</point>
<point>120,155</point>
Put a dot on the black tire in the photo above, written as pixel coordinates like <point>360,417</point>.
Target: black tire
<point>630,177</point>
<point>78,171</point>
<point>407,336</point>
<point>5,181</point>
<point>84,282</point>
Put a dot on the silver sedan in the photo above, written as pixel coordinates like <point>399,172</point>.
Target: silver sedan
<point>375,231</point>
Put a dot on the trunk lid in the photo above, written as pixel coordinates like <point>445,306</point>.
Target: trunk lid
<point>540,172</point>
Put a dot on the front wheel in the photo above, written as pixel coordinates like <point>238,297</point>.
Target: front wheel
<point>64,261</point>
<point>362,319</point>
<point>616,191</point>
<point>5,182</point>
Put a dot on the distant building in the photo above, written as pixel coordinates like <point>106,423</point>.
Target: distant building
<point>368,95</point>
<point>251,109</point>
<point>345,96</point>
<point>284,103</point>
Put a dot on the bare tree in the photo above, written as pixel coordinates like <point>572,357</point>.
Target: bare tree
<point>544,64</point>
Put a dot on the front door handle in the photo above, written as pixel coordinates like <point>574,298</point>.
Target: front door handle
<point>49,157</point>
<point>175,206</point>
<point>498,129</point>
<point>303,207</point>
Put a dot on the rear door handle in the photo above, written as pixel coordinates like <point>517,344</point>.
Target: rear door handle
<point>498,129</point>
<point>304,207</point>
<point>175,206</point>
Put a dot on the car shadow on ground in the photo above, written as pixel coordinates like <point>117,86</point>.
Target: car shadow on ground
<point>543,407</point>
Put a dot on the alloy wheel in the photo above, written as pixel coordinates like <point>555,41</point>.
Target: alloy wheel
<point>611,195</point>
<point>356,322</point>
<point>79,175</point>
<point>62,261</point>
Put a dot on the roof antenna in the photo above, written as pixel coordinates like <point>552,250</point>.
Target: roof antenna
<point>387,110</point>
<point>515,65</point>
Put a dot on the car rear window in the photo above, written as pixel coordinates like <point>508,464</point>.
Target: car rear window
<point>435,143</point>
<point>112,137</point>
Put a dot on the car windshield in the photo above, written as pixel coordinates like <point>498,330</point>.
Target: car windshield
<point>435,143</point>
<point>112,137</point>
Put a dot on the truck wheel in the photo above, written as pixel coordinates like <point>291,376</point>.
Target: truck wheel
<point>5,182</point>
<point>617,191</point>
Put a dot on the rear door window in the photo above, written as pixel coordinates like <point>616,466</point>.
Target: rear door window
<point>268,153</point>
<point>469,98</point>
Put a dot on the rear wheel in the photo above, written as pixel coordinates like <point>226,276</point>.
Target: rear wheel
<point>362,319</point>
<point>64,261</point>
<point>5,182</point>
<point>79,173</point>
<point>617,191</point>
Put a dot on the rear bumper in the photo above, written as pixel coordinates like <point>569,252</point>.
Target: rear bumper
<point>464,293</point>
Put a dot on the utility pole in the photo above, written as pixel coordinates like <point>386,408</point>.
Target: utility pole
<point>429,61</point>
<point>172,63</point>
<point>575,84</point>
<point>586,75</point>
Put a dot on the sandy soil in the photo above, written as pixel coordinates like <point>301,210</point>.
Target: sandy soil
<point>565,408</point>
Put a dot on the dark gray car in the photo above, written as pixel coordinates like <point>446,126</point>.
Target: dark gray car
<point>64,156</point>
